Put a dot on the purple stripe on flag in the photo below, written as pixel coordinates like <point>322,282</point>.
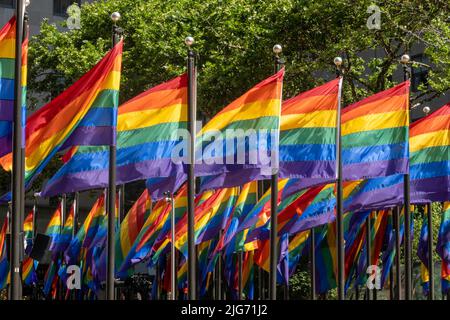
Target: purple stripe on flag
<point>6,110</point>
<point>296,184</point>
<point>376,199</point>
<point>311,222</point>
<point>374,169</point>
<point>307,169</point>
<point>93,179</point>
<point>159,186</point>
<point>232,179</point>
<point>5,145</point>
<point>435,189</point>
<point>90,136</point>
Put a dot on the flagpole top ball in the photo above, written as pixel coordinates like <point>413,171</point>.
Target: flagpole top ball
<point>277,49</point>
<point>189,41</point>
<point>405,59</point>
<point>426,110</point>
<point>337,61</point>
<point>115,16</point>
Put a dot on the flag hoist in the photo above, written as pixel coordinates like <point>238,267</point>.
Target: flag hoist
<point>278,63</point>
<point>192,112</point>
<point>405,60</point>
<point>110,273</point>
<point>18,155</point>
<point>339,192</point>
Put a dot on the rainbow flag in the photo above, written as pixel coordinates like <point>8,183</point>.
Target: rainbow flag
<point>87,232</point>
<point>225,154</point>
<point>313,207</point>
<point>7,75</point>
<point>29,275</point>
<point>209,218</point>
<point>326,259</point>
<point>63,239</point>
<point>128,232</point>
<point>308,134</point>
<point>245,202</point>
<point>443,243</point>
<point>147,133</point>
<point>131,226</point>
<point>297,246</point>
<point>4,263</point>
<point>84,114</point>
<point>28,231</point>
<point>248,274</point>
<point>51,278</point>
<point>145,238</point>
<point>373,194</point>
<point>54,226</point>
<point>375,135</point>
<point>429,144</point>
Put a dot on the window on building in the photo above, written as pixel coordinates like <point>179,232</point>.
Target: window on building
<point>8,3</point>
<point>419,74</point>
<point>60,6</point>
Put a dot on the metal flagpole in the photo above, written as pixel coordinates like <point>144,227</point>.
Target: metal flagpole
<point>219,273</point>
<point>312,257</point>
<point>173,270</point>
<point>274,205</point>
<point>339,191</point>
<point>398,277</point>
<point>76,208</point>
<point>110,276</point>
<point>192,113</point>
<point>430,251</point>
<point>405,59</point>
<point>18,176</point>
<point>368,249</point>
<point>121,202</point>
<point>240,289</point>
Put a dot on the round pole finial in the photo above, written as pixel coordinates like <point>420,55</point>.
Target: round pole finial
<point>337,61</point>
<point>115,16</point>
<point>277,49</point>
<point>426,110</point>
<point>405,59</point>
<point>189,41</point>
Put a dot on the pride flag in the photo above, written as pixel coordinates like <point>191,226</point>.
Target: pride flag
<point>443,243</point>
<point>147,133</point>
<point>240,143</point>
<point>326,258</point>
<point>87,232</point>
<point>54,226</point>
<point>131,226</point>
<point>4,263</point>
<point>84,114</point>
<point>145,239</point>
<point>28,231</point>
<point>62,240</point>
<point>310,209</point>
<point>210,216</point>
<point>7,75</point>
<point>429,144</point>
<point>308,134</point>
<point>29,275</point>
<point>375,135</point>
<point>373,194</point>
